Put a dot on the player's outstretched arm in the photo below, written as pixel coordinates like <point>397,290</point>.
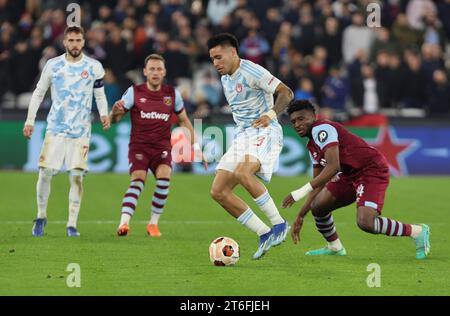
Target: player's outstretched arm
<point>304,210</point>
<point>102,103</point>
<point>329,171</point>
<point>289,199</point>
<point>36,100</point>
<point>117,111</point>
<point>186,123</point>
<point>284,96</point>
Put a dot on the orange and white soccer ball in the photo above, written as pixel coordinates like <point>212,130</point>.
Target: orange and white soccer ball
<point>224,251</point>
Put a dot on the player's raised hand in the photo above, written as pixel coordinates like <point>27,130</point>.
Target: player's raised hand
<point>288,201</point>
<point>295,232</point>
<point>263,121</point>
<point>28,131</point>
<point>118,107</point>
<point>106,122</point>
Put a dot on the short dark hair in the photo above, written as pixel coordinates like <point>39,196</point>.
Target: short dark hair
<point>226,39</point>
<point>154,57</point>
<point>298,105</point>
<point>74,29</point>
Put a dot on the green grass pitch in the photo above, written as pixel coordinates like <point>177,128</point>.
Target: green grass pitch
<point>178,263</point>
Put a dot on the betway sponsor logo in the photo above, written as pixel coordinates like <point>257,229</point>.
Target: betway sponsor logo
<point>155,116</point>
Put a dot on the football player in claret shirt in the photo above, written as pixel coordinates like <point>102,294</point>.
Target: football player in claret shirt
<point>346,169</point>
<point>151,105</point>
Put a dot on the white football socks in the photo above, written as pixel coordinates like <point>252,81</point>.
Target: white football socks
<point>125,219</point>
<point>43,191</point>
<point>253,222</point>
<point>267,205</point>
<point>155,218</point>
<point>416,230</point>
<point>335,245</point>
<point>75,195</point>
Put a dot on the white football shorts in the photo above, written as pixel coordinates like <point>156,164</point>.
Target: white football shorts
<point>58,151</point>
<point>262,144</point>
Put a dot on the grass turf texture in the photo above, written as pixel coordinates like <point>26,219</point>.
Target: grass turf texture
<point>178,263</point>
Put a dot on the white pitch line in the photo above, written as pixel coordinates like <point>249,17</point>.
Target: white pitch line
<point>102,222</point>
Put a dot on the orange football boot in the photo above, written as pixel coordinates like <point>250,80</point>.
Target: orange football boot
<point>123,230</point>
<point>153,230</point>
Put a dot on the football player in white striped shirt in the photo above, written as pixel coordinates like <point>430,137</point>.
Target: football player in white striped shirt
<point>249,90</point>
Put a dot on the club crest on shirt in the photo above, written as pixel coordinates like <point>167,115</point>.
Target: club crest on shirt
<point>239,88</point>
<point>167,101</point>
<point>84,74</point>
<point>323,135</point>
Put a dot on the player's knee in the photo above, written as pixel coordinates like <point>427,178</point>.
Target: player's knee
<point>76,179</point>
<point>365,222</point>
<point>46,173</point>
<point>316,209</point>
<point>217,195</point>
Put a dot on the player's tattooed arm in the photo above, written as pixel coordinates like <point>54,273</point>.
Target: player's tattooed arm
<point>284,95</point>
<point>117,111</point>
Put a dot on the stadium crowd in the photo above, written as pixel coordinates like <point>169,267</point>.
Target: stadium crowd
<point>322,49</point>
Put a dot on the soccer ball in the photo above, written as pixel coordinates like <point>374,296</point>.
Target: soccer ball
<point>224,251</point>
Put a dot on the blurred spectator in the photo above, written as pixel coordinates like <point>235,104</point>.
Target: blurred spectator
<point>434,32</point>
<point>112,89</point>
<point>254,47</point>
<point>444,15</point>
<point>305,90</point>
<point>272,24</point>
<point>404,35</point>
<point>304,31</point>
<point>208,87</point>
<point>356,36</point>
<point>382,76</point>
<point>439,95</point>
<point>286,76</point>
<point>382,42</point>
<point>218,9</point>
<point>118,58</point>
<point>431,60</point>
<point>317,68</point>
<point>95,42</point>
<point>335,91</point>
<point>414,85</point>
<point>364,90</point>
<point>332,40</point>
<point>24,63</point>
<point>281,48</point>
<point>396,79</point>
<point>416,10</point>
